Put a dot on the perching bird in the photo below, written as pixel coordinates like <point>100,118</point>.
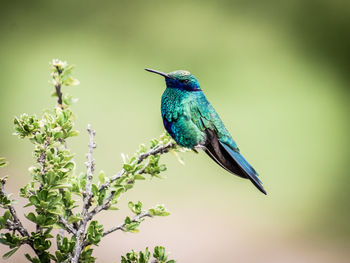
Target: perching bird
<point>193,123</point>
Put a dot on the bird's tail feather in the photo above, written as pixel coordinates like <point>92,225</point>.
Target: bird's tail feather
<point>251,174</point>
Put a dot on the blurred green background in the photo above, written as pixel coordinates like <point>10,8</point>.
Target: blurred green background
<point>277,72</point>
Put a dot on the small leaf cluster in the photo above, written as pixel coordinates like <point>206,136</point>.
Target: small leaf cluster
<point>131,225</point>
<point>65,247</point>
<point>62,76</point>
<point>94,233</point>
<point>41,243</point>
<point>136,208</point>
<point>159,256</point>
<point>158,210</point>
<point>11,240</point>
<point>136,168</point>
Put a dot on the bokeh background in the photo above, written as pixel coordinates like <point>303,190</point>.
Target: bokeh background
<point>277,72</point>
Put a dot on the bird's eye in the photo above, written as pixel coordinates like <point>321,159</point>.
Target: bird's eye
<point>185,81</point>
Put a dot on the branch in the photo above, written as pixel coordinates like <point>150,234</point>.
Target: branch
<point>41,160</point>
<point>16,225</point>
<point>154,151</point>
<point>107,202</point>
<point>87,197</point>
<point>68,226</point>
<point>136,218</point>
<point>90,165</point>
<point>142,171</point>
<point>58,88</point>
<point>86,215</point>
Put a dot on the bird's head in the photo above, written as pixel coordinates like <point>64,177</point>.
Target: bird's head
<point>179,79</point>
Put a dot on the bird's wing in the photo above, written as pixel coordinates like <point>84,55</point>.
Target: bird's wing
<point>219,144</point>
<point>204,116</point>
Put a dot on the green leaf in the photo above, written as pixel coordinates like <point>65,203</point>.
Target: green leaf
<point>3,163</point>
<point>10,253</point>
<point>139,177</point>
<point>7,215</point>
<point>131,205</point>
<point>128,186</point>
<point>31,217</point>
<point>72,133</point>
<point>58,135</point>
<point>70,81</point>
<point>73,219</point>
<point>113,208</point>
<point>4,240</point>
<point>34,200</point>
<point>101,196</point>
<point>162,167</point>
<point>135,208</point>
<point>94,189</point>
<point>127,167</point>
<point>102,177</point>
<point>69,165</point>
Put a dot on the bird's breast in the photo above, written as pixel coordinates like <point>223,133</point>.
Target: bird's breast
<point>177,118</point>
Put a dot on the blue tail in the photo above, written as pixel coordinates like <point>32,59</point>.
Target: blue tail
<point>246,168</point>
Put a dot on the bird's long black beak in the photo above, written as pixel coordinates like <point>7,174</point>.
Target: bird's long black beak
<point>157,72</point>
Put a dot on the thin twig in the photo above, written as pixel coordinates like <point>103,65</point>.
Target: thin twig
<point>104,206</point>
<point>58,90</point>
<point>42,161</point>
<point>68,226</point>
<point>142,171</point>
<point>90,165</point>
<point>136,218</point>
<point>87,197</point>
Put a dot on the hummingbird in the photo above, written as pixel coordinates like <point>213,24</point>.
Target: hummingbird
<point>193,123</point>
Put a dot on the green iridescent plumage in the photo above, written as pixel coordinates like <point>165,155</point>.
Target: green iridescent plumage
<point>193,123</point>
<point>190,112</point>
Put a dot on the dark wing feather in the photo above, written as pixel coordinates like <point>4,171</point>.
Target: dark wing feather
<point>231,160</point>
<point>216,151</point>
